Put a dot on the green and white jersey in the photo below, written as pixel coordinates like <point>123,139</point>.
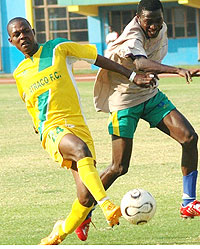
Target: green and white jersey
<point>46,84</point>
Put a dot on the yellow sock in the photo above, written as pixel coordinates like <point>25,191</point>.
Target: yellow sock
<point>90,178</point>
<point>75,218</point>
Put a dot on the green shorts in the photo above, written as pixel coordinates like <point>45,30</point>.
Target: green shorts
<point>123,123</point>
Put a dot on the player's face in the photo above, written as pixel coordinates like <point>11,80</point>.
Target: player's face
<point>22,36</point>
<point>151,22</point>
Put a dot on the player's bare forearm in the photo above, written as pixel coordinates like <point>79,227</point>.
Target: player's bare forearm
<point>147,65</point>
<point>108,64</point>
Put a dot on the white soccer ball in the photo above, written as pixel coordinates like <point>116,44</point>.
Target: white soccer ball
<point>138,206</point>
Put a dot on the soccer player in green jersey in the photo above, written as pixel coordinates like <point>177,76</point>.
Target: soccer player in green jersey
<point>46,84</point>
<point>142,46</point>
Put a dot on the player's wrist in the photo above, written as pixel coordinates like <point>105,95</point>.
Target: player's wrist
<point>132,76</point>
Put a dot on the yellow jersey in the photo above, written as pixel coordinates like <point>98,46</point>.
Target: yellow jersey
<point>46,84</point>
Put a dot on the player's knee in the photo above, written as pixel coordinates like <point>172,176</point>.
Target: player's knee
<point>191,140</point>
<point>82,151</point>
<point>86,202</point>
<point>119,169</point>
<point>124,170</point>
<point>86,199</point>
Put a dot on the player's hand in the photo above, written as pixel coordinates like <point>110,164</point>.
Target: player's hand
<point>187,74</point>
<point>195,72</point>
<point>145,80</point>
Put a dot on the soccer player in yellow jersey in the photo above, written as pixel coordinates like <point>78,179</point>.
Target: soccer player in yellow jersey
<point>46,84</point>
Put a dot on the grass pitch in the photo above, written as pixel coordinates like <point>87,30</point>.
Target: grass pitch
<point>35,192</point>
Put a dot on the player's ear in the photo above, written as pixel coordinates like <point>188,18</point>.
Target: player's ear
<point>9,39</point>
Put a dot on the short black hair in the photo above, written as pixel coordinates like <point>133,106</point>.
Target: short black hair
<point>150,5</point>
<point>18,19</point>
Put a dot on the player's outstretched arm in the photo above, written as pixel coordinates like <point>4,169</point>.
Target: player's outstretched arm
<point>188,74</point>
<point>147,65</point>
<point>142,80</point>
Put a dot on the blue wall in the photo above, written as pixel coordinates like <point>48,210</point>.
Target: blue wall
<point>94,32</point>
<point>10,55</point>
<point>182,52</point>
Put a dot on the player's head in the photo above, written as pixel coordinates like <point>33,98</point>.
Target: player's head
<point>22,36</point>
<point>150,17</point>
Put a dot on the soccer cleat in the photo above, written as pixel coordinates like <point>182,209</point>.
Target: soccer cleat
<point>192,209</point>
<point>82,230</point>
<point>111,212</point>
<point>54,238</point>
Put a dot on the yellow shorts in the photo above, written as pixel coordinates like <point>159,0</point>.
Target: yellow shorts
<point>55,135</point>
